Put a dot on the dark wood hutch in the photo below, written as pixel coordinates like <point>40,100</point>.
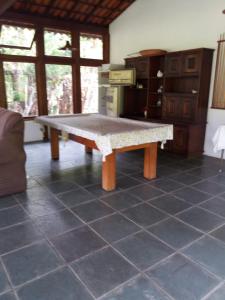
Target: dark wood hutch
<point>180,97</point>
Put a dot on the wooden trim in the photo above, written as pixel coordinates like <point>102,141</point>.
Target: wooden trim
<point>76,73</point>
<point>86,142</point>
<point>106,48</point>
<point>5,4</point>
<point>18,58</point>
<point>3,102</point>
<point>131,148</point>
<point>41,74</point>
<point>88,62</point>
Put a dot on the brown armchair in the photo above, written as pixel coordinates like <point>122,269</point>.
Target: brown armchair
<point>12,154</point>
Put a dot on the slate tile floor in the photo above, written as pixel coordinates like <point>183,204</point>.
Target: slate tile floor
<point>66,239</point>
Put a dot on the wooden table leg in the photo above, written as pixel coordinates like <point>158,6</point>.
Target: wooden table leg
<point>54,143</point>
<point>109,172</point>
<point>150,161</point>
<point>88,149</point>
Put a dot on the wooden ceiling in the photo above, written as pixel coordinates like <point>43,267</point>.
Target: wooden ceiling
<point>95,12</point>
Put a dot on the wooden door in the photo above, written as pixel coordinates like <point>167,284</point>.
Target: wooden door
<point>191,63</point>
<point>173,65</point>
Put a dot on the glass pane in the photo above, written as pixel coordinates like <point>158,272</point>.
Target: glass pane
<point>89,89</point>
<point>10,51</point>
<point>91,46</point>
<point>21,91</point>
<point>54,41</point>
<point>16,36</point>
<point>59,89</point>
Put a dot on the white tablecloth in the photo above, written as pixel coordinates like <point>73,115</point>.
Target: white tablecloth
<point>219,139</point>
<point>109,133</point>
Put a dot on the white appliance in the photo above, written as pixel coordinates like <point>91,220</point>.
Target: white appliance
<point>110,97</point>
<point>122,77</point>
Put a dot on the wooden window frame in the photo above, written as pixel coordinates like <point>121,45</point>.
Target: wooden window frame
<point>40,60</point>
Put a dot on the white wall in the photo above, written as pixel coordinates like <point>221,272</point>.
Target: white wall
<point>171,25</point>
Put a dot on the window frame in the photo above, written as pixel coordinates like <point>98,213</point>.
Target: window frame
<point>40,60</point>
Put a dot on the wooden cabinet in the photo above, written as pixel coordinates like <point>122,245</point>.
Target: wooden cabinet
<point>147,94</point>
<point>185,86</point>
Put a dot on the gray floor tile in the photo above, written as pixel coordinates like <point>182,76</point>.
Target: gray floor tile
<point>30,262</point>
<point>12,216</point>
<point>191,195</point>
<point>114,227</point>
<point>143,250</point>
<point>174,232</point>
<point>202,252</point>
<point>7,201</point>
<point>139,288</point>
<point>8,296</point>
<point>61,186</point>
<point>210,187</point>
<point>186,178</point>
<point>215,205</point>
<point>170,204</point>
<point>204,171</point>
<point>18,236</point>
<point>4,283</point>
<point>145,192</point>
<point>121,200</point>
<point>219,294</point>
<point>42,207</point>
<point>57,223</point>
<point>166,185</point>
<point>97,191</point>
<point>218,178</point>
<point>219,233</point>
<point>125,182</point>
<point>201,219</point>
<point>75,197</point>
<point>92,211</point>
<point>77,243</point>
<point>59,285</point>
<point>36,193</point>
<point>182,279</point>
<point>103,271</point>
<point>144,214</point>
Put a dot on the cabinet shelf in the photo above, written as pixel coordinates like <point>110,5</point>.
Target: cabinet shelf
<point>180,94</point>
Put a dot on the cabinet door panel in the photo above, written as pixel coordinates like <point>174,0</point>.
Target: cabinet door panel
<point>187,109</point>
<point>180,139</point>
<point>173,65</point>
<point>171,107</point>
<point>131,63</point>
<point>142,68</point>
<point>191,63</point>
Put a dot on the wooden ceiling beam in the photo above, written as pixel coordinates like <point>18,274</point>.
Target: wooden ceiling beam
<point>5,4</point>
<point>12,17</point>
<point>70,12</point>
